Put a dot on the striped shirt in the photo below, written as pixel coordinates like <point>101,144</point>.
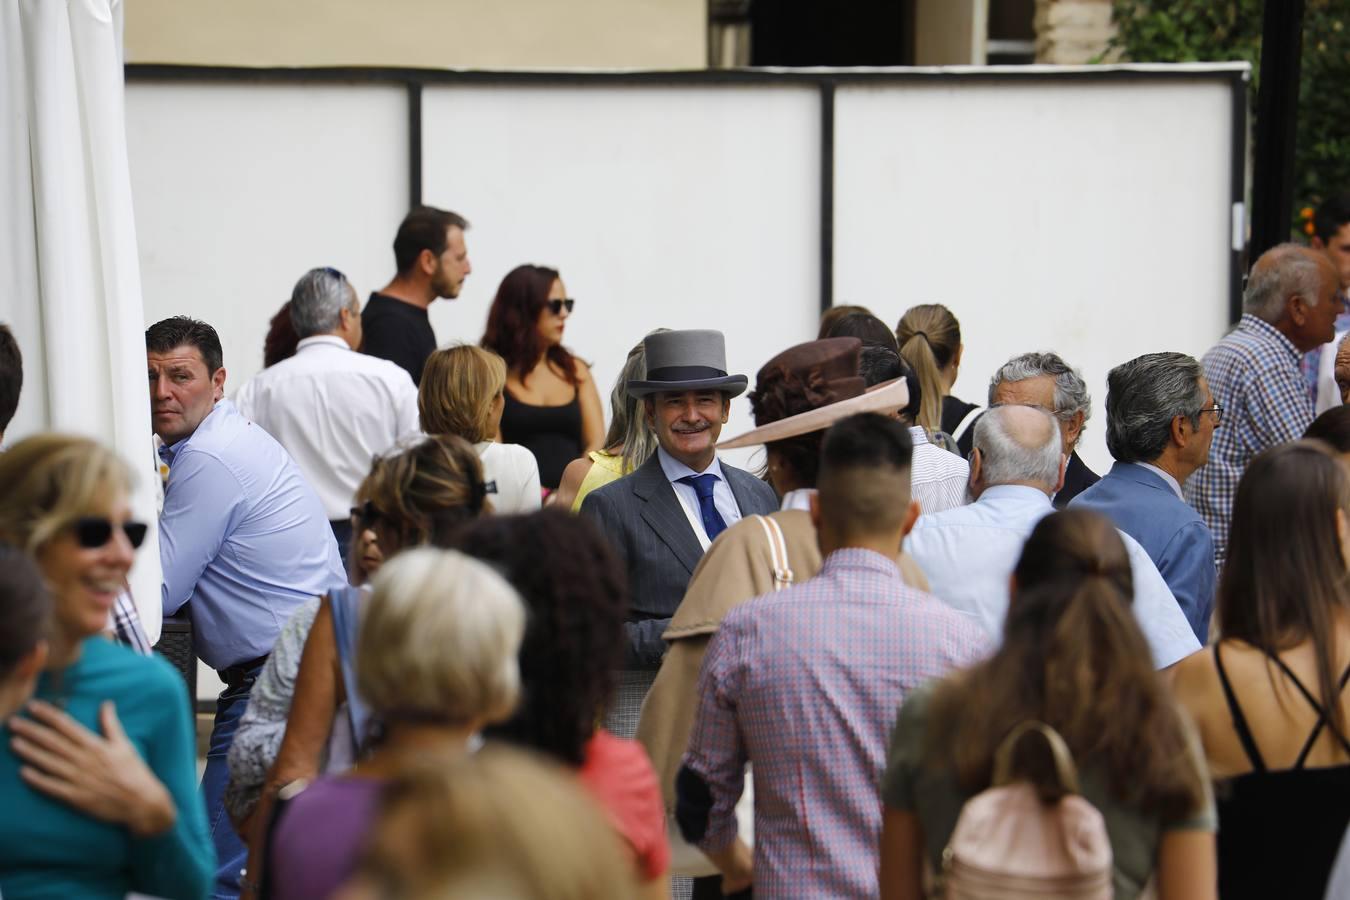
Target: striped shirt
<point>1254,375</point>
<point>126,624</point>
<point>804,684</point>
<point>938,478</point>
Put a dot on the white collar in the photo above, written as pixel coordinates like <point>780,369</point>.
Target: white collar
<point>798,499</point>
<point>1171,482</point>
<point>918,435</point>
<point>675,470</point>
<point>315,340</point>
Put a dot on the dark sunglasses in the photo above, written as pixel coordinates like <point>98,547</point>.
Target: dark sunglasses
<point>557,306</point>
<point>366,514</point>
<point>92,532</point>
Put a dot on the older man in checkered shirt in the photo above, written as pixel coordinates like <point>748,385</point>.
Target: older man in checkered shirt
<point>1290,307</point>
<point>804,684</point>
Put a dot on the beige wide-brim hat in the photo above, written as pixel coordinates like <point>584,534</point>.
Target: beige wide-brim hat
<point>886,397</point>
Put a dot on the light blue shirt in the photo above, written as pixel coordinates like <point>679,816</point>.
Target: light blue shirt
<point>723,499</point>
<point>242,535</point>
<point>969,553</point>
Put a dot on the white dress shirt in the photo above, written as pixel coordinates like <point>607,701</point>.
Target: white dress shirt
<point>969,554</point>
<point>516,474</point>
<point>938,478</point>
<point>334,410</point>
<point>1328,391</point>
<point>723,499</point>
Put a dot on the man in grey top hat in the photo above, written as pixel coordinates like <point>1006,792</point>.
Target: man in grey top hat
<point>662,517</point>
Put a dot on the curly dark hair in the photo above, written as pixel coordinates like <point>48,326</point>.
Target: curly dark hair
<point>577,597</point>
<point>512,331</point>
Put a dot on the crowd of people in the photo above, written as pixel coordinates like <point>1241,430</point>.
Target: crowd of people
<point>474,643</point>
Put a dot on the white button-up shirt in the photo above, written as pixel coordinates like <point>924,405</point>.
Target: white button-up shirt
<point>723,499</point>
<point>334,410</point>
<point>969,554</point>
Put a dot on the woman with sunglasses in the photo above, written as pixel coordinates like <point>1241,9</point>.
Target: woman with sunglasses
<point>304,716</point>
<point>98,780</point>
<point>552,406</point>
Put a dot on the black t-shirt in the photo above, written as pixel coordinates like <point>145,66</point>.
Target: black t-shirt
<point>398,332</point>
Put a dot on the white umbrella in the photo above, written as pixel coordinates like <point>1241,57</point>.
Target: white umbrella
<point>70,282</point>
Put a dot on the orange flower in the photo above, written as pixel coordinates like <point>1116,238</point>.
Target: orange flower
<point>1308,228</point>
<point>1306,212</point>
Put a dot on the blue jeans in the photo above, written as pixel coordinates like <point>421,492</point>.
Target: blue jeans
<point>230,851</point>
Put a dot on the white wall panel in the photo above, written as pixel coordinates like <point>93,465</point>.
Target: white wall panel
<point>661,207</point>
<point>1089,218</point>
<point>241,188</point>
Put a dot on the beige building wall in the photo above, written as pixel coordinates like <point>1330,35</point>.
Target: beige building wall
<point>471,34</point>
<point>951,32</point>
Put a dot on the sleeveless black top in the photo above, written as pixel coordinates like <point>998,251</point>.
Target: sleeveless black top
<point>1279,831</point>
<point>551,433</point>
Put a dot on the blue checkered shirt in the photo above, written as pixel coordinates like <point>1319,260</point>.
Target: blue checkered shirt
<point>805,684</point>
<point>1254,375</point>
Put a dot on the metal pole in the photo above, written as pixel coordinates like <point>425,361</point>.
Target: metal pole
<point>1276,125</point>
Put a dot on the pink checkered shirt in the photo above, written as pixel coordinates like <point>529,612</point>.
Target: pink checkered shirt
<point>805,684</point>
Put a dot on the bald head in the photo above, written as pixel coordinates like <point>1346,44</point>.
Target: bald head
<point>1017,445</point>
<point>1295,289</point>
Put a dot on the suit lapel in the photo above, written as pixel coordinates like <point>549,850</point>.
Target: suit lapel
<point>661,510</point>
<point>745,500</point>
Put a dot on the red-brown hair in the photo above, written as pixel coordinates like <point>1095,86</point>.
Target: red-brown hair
<point>512,326</point>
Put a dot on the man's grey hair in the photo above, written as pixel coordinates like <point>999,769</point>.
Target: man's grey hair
<point>1143,396</point>
<point>1007,457</point>
<point>1071,393</point>
<point>318,300</point>
<point>1290,271</point>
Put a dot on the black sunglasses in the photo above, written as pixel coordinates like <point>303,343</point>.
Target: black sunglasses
<point>366,514</point>
<point>92,532</point>
<point>557,306</point>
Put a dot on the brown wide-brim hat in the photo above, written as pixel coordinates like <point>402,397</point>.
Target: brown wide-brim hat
<point>827,369</point>
<point>691,360</point>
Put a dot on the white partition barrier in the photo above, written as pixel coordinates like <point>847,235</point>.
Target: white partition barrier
<point>1085,211</point>
<point>1092,219</point>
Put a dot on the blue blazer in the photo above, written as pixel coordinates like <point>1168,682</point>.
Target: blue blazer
<point>1143,505</point>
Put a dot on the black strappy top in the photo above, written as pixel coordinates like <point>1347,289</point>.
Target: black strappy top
<point>551,433</point>
<point>1279,831</point>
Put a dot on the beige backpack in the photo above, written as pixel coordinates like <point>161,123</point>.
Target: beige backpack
<point>1010,843</point>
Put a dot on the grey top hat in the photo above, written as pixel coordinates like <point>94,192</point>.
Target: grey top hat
<point>694,360</point>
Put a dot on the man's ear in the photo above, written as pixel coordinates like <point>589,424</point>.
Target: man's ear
<point>218,383</point>
<point>426,261</point>
<point>1075,428</point>
<point>911,517</point>
<point>815,510</point>
<point>1180,433</point>
<point>976,465</point>
<point>1297,309</point>
<point>726,408</point>
<point>1063,465</point>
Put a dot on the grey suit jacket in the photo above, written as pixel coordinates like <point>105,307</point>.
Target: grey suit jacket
<point>647,527</point>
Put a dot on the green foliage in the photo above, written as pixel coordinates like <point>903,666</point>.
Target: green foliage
<point>1222,30</point>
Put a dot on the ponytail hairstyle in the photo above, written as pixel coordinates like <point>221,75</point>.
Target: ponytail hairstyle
<point>929,338</point>
<point>1284,580</point>
<point>1072,657</point>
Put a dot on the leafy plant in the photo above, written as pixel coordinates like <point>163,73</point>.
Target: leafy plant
<point>1223,30</point>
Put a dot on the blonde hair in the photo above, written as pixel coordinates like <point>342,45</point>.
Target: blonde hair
<point>459,386</point>
<point>503,823</point>
<point>49,480</point>
<point>438,640</point>
<point>929,337</point>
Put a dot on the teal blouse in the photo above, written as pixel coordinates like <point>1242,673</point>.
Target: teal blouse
<point>48,850</point>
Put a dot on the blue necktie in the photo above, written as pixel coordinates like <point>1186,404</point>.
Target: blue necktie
<point>713,523</point>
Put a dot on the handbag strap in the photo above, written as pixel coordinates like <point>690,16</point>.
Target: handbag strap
<point>782,572</point>
<point>966,421</point>
<point>1065,770</point>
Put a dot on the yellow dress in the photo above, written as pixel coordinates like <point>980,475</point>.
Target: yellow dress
<point>604,469</point>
